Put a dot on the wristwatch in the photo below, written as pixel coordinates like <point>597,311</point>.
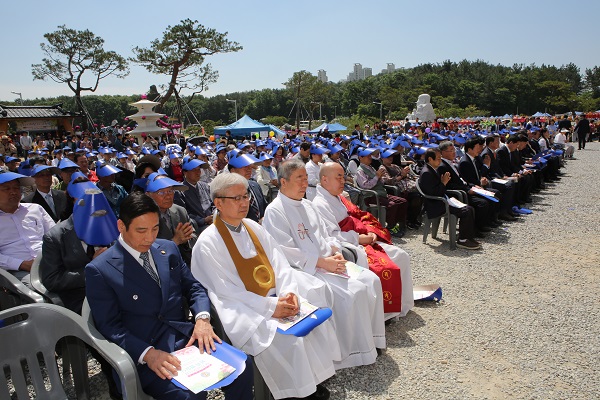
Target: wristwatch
<point>203,315</point>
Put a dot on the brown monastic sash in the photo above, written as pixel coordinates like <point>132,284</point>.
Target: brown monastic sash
<point>256,273</point>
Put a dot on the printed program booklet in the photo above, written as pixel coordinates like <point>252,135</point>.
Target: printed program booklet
<point>305,310</point>
<point>200,370</point>
<point>352,271</point>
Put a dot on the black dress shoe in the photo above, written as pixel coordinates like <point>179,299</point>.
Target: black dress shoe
<point>484,229</point>
<point>506,217</point>
<point>322,393</point>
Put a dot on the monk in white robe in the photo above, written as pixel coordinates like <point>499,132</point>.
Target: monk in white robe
<point>291,366</point>
<point>300,234</point>
<point>333,211</point>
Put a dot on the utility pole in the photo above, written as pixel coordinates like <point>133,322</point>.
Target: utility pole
<point>20,96</point>
<point>235,106</point>
<point>380,110</point>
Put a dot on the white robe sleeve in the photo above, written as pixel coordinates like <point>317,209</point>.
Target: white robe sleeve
<point>278,226</point>
<point>332,226</point>
<point>331,240</point>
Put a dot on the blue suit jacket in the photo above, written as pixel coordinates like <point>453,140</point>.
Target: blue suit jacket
<point>132,311</point>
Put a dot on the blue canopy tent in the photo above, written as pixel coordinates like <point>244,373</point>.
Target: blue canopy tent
<point>332,128</point>
<point>278,132</point>
<point>244,126</point>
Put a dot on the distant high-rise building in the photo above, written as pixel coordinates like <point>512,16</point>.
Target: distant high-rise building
<point>389,69</point>
<point>358,71</point>
<point>366,72</point>
<point>322,75</point>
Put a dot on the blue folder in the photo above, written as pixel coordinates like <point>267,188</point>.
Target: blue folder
<point>492,198</point>
<point>309,323</point>
<point>230,355</point>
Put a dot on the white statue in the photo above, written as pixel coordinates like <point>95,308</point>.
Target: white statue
<point>424,110</point>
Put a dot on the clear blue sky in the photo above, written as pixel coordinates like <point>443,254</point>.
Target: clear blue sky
<point>281,37</point>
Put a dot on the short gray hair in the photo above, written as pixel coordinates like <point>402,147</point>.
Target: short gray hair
<point>287,168</point>
<point>445,144</point>
<point>222,182</point>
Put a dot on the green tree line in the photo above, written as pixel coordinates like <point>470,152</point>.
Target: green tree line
<point>457,89</point>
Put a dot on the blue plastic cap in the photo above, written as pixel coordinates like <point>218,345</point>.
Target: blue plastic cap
<point>157,182</point>
<point>39,168</point>
<point>103,170</point>
<point>192,164</point>
<point>362,152</point>
<point>94,221</point>
<point>66,163</point>
<point>241,160</point>
<point>11,176</point>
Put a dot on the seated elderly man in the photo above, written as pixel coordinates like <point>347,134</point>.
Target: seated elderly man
<point>196,200</point>
<point>137,290</point>
<point>365,235</point>
<point>249,303</point>
<point>175,223</point>
<point>114,192</point>
<point>434,184</point>
<point>312,169</point>
<point>243,164</point>
<point>300,233</point>
<point>23,226</point>
<point>52,200</point>
<point>369,178</point>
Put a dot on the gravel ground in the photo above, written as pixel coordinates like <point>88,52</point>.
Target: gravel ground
<point>519,318</point>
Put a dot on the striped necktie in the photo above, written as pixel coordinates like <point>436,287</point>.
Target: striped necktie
<point>146,264</point>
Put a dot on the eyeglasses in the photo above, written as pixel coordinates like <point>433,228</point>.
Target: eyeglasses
<point>165,192</point>
<point>238,198</point>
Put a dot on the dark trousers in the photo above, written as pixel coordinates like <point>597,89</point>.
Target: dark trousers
<point>240,389</point>
<point>581,138</point>
<point>395,207</point>
<point>483,214</point>
<point>415,204</point>
<point>508,195</point>
<point>466,221</point>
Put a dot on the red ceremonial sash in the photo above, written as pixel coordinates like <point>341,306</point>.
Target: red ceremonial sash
<point>379,262</point>
<point>363,222</point>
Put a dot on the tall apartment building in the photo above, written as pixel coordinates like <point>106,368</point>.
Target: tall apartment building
<point>389,69</point>
<point>322,76</point>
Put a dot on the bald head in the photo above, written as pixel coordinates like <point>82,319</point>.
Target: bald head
<point>331,177</point>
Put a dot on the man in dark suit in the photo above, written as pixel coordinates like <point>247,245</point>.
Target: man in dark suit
<point>53,201</point>
<point>196,200</point>
<point>434,184</point>
<point>470,168</point>
<point>583,130</point>
<point>491,170</point>
<point>483,215</point>
<point>243,164</point>
<point>524,154</point>
<point>136,291</point>
<point>509,162</point>
<point>175,223</point>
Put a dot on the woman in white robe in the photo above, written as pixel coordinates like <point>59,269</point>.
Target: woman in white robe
<point>291,366</point>
<point>300,234</point>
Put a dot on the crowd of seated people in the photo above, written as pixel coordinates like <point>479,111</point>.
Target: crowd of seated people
<point>193,218</point>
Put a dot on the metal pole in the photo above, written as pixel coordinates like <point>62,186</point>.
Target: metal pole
<point>234,101</point>
<point>380,109</point>
<point>20,96</point>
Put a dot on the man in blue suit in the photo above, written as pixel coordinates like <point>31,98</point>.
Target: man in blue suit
<point>136,291</point>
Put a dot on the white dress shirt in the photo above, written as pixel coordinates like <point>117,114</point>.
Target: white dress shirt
<point>21,234</point>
